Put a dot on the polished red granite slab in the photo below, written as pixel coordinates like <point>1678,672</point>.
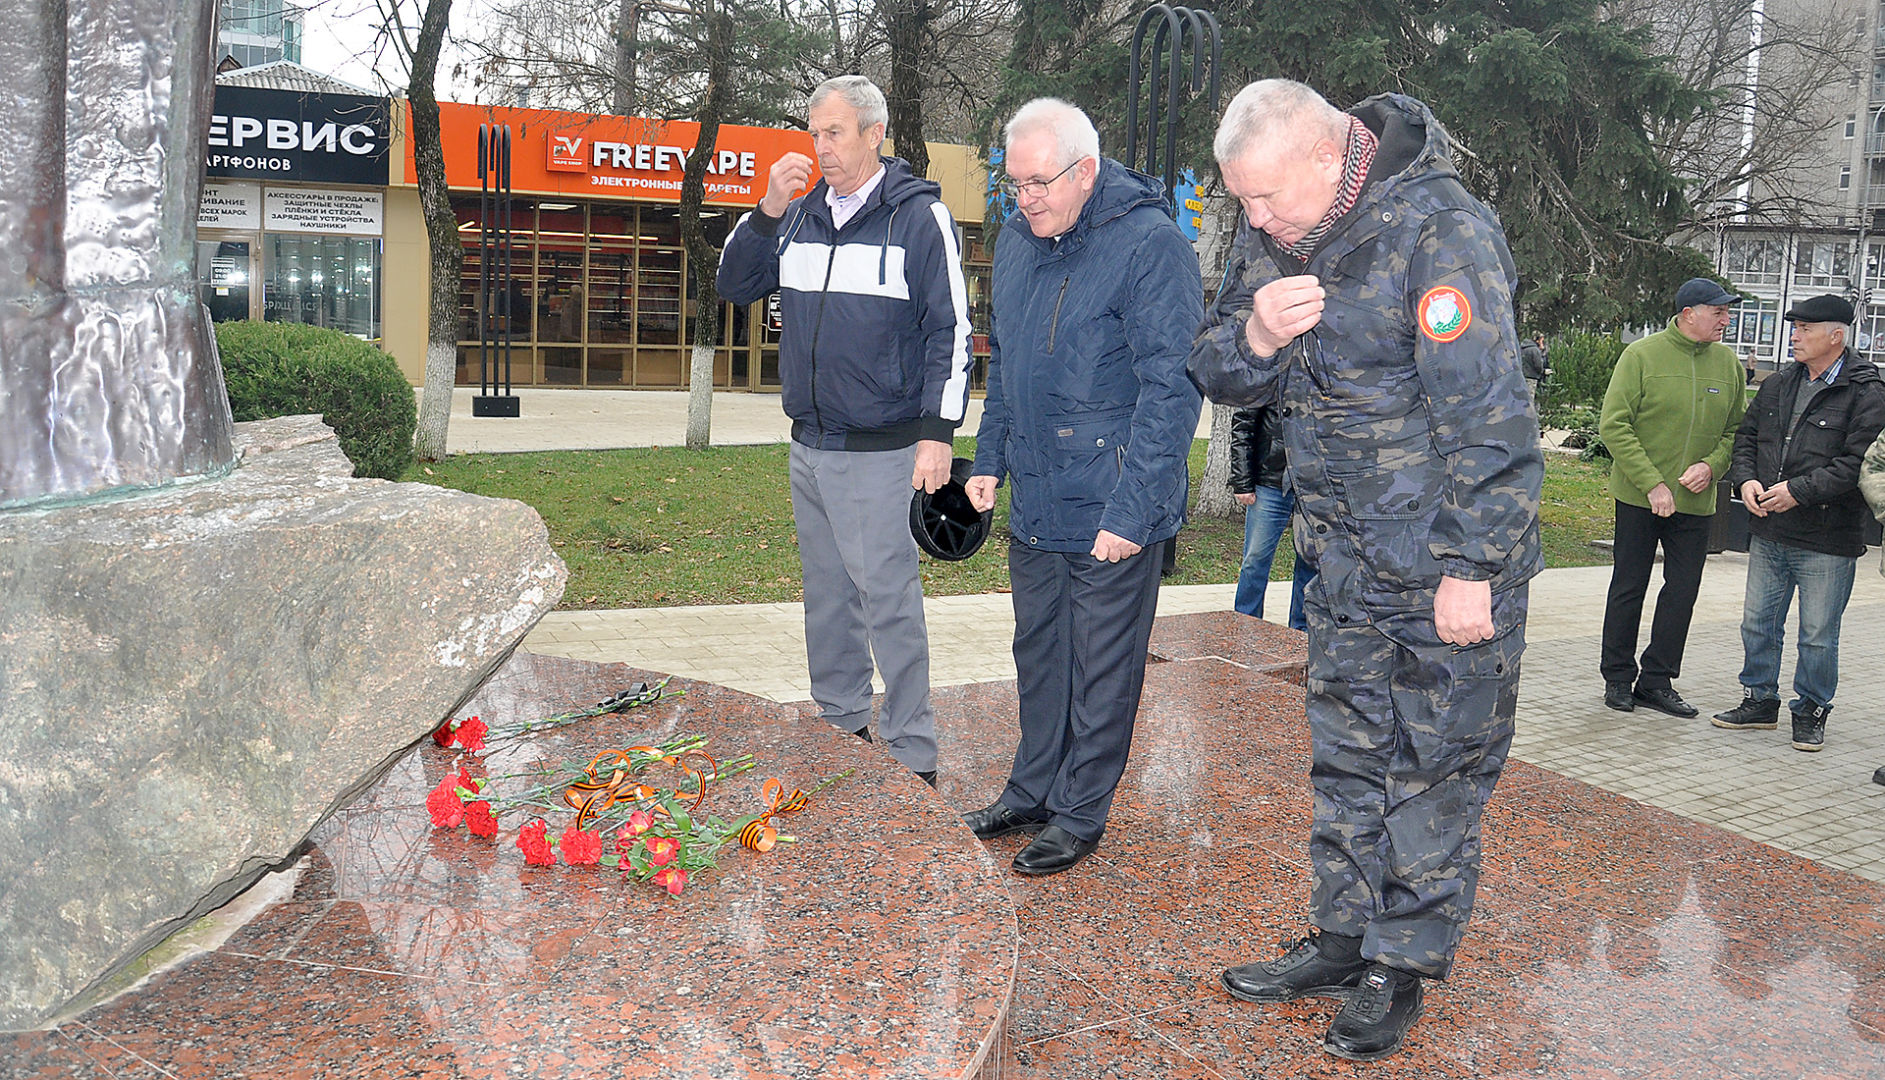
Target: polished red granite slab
<point>882,943</point>
<point>1254,644</point>
<point>1614,939</point>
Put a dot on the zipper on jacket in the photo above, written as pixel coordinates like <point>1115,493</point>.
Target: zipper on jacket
<point>818,328</point>
<point>1053,324</point>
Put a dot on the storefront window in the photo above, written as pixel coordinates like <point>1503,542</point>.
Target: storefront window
<point>331,281</point>
<point>658,297</point>
<point>1751,326</point>
<point>603,299</point>
<point>1826,264</point>
<point>1755,260</point>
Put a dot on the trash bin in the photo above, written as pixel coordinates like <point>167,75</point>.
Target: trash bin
<point>1728,529</point>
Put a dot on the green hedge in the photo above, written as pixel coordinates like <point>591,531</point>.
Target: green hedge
<point>288,369</point>
<point>1581,363</point>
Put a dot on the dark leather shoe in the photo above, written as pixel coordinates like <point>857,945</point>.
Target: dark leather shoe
<point>1664,699</point>
<point>1617,696</point>
<point>928,777</point>
<point>1054,850</point>
<point>1302,971</point>
<point>999,820</point>
<point>1379,1012</point>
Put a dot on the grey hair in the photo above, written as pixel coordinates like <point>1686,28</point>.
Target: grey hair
<point>1075,138</point>
<point>1273,112</point>
<point>859,93</point>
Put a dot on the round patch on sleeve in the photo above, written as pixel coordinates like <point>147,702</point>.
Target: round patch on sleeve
<point>1445,314</point>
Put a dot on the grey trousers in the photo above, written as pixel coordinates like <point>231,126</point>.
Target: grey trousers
<point>863,598</point>
<point>1081,631</point>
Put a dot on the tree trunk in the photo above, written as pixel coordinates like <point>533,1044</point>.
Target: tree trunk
<point>441,229</point>
<point>1213,246</point>
<point>702,260</point>
<point>1214,497</point>
<point>909,40</point>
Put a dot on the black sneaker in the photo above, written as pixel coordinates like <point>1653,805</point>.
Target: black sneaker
<point>1753,714</point>
<point>1617,696</point>
<point>1379,1012</point>
<point>1809,728</point>
<point>1302,971</point>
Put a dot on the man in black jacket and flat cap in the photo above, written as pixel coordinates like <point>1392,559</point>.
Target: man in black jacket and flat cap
<point>1796,465</point>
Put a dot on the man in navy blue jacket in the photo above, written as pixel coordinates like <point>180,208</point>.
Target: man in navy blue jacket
<point>1090,415</point>
<point>875,365</point>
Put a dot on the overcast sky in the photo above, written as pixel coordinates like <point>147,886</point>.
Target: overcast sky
<point>338,39</point>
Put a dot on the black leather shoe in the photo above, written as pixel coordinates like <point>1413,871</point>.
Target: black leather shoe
<point>999,820</point>
<point>1054,850</point>
<point>1302,971</point>
<point>1664,699</point>
<point>1617,696</point>
<point>1374,1023</point>
<point>928,777</point>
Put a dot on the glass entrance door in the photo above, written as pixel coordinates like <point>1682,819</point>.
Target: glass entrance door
<point>222,278</point>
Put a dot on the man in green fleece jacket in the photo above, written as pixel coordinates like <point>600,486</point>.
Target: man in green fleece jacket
<point>1669,420</point>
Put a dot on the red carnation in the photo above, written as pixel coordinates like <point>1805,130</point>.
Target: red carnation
<point>480,820</point>
<point>471,734</point>
<point>443,736</point>
<point>446,808</point>
<point>535,848</point>
<point>581,848</point>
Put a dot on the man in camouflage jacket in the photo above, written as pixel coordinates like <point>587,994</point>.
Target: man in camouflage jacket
<point>1370,296</point>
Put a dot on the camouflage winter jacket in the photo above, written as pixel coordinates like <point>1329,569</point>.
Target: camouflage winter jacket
<point>1412,442</point>
<point>1872,485</point>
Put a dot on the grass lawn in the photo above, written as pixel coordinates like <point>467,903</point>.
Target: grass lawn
<point>668,526</point>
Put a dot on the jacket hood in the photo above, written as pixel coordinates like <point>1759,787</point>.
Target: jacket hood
<point>1117,191</point>
<point>1414,145</point>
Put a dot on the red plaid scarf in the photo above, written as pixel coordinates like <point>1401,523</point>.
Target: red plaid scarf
<point>1357,158</point>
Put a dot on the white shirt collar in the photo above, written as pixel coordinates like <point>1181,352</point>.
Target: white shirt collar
<point>845,207</point>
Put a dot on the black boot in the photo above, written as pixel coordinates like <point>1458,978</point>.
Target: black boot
<point>1809,728</point>
<point>1320,965</point>
<point>1379,1012</point>
<point>1752,714</point>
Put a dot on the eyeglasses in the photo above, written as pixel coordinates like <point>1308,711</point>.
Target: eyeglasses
<point>1033,189</point>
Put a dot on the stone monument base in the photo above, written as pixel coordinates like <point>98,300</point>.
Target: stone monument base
<point>193,678</point>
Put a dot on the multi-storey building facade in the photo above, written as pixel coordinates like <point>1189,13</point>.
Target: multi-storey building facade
<point>251,32</point>
<point>1832,238</point>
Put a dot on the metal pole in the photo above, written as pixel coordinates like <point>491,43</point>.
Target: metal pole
<point>485,373</point>
<point>510,280</point>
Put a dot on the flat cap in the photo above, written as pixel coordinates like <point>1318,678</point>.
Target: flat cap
<point>1823,308</point>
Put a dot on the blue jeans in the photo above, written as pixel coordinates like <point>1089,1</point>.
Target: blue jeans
<point>1264,522</point>
<point>1824,582</point>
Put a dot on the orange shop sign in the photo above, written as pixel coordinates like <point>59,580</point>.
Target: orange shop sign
<point>569,153</point>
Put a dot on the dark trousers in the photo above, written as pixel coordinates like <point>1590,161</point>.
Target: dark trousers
<point>1684,540</point>
<point>1081,631</point>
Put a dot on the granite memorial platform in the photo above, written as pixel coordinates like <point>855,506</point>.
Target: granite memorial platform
<point>1612,939</point>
